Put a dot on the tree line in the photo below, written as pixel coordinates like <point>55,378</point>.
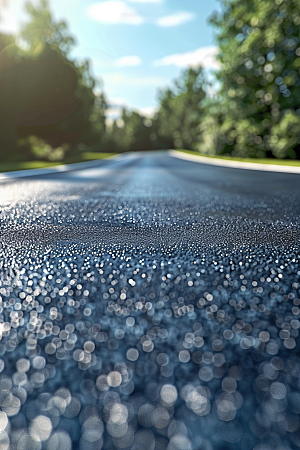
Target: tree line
<point>49,108</point>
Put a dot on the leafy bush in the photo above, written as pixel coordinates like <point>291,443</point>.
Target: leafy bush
<point>285,136</point>
<point>41,150</point>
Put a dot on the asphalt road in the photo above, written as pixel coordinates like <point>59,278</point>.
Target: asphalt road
<point>150,303</point>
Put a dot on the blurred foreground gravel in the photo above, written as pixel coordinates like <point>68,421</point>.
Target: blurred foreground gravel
<point>150,304</point>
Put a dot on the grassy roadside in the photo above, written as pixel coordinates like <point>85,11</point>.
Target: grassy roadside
<point>86,156</point>
<point>279,162</point>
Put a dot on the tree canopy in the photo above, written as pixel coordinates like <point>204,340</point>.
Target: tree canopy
<point>259,54</point>
<point>49,103</point>
<point>176,123</point>
<point>43,93</point>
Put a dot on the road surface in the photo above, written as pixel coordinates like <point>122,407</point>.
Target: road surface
<point>150,303</point>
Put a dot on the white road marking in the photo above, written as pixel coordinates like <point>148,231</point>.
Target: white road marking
<point>51,170</point>
<point>233,164</point>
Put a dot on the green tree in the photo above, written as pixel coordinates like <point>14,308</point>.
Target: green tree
<point>42,29</point>
<point>176,124</point>
<point>8,127</point>
<point>260,61</point>
<point>98,121</point>
<point>43,93</point>
<point>182,109</point>
<point>132,132</point>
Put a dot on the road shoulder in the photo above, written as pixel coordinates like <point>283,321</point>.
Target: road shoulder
<point>53,169</point>
<point>233,164</point>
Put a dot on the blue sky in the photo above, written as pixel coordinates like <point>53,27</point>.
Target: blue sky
<point>135,46</point>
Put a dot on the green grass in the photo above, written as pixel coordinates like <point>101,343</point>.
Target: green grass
<point>11,166</point>
<point>86,156</point>
<point>279,162</point>
<point>91,156</point>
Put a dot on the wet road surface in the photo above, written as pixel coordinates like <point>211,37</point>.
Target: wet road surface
<point>150,303</point>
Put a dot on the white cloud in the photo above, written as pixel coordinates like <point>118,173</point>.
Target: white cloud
<point>11,14</point>
<point>114,78</point>
<point>128,61</point>
<point>9,26</point>
<point>204,56</point>
<point>147,111</point>
<point>114,12</point>
<point>175,19</point>
<point>146,1</point>
<point>116,104</point>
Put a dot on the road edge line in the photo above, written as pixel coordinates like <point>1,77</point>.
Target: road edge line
<point>5,176</point>
<point>234,164</point>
